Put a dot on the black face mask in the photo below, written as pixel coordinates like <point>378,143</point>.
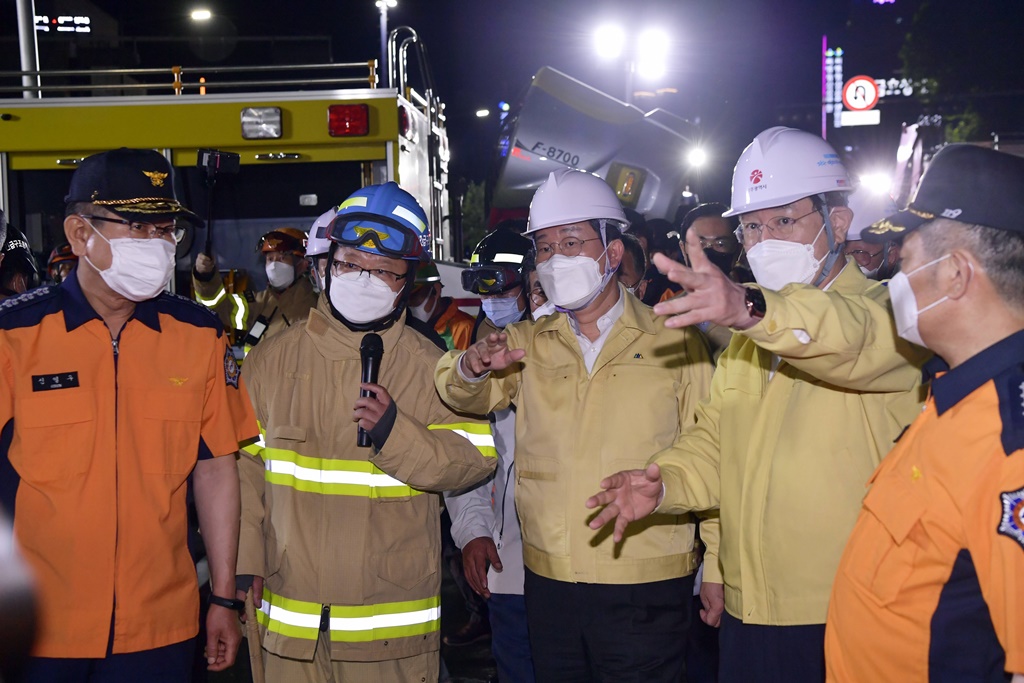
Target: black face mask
<point>724,261</point>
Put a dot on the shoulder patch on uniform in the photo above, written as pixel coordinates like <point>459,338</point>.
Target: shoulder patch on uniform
<point>186,310</point>
<point>1012,523</point>
<point>231,371</point>
<point>27,309</point>
<point>1010,389</point>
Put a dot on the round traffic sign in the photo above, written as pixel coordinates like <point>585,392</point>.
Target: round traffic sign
<point>860,93</point>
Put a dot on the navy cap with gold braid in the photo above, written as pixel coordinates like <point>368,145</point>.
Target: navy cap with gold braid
<point>966,183</point>
<point>136,184</point>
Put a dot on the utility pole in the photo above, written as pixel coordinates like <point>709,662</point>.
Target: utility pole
<point>29,48</point>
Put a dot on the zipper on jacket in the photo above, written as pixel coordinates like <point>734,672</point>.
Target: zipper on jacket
<point>115,345</point>
<point>325,618</point>
<point>504,494</point>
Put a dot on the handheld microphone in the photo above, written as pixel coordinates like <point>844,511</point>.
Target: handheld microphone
<point>371,350</point>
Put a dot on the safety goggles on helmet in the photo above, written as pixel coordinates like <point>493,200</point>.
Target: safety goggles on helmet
<point>490,279</point>
<point>384,238</point>
<point>281,241</point>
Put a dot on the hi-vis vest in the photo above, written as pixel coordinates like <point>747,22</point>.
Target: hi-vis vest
<point>348,538</point>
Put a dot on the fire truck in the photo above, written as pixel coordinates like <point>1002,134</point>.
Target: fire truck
<point>305,136</point>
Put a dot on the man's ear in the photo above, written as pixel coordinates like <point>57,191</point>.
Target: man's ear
<point>615,251</point>
<point>958,274</point>
<point>842,217</point>
<point>77,231</point>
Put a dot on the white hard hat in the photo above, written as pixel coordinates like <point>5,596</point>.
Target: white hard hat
<point>868,207</point>
<point>570,196</point>
<point>315,244</point>
<point>781,166</point>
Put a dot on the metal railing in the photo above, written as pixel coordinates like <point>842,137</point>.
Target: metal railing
<point>181,80</point>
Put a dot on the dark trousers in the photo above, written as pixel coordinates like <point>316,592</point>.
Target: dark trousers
<point>169,664</point>
<point>752,653</point>
<point>701,648</point>
<point>608,633</point>
<point>510,639</point>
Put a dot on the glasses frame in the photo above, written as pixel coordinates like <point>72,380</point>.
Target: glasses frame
<point>775,231</point>
<point>561,247</point>
<point>395,278</point>
<point>177,234</point>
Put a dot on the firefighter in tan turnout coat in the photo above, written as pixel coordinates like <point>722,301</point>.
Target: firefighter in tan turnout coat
<point>342,540</point>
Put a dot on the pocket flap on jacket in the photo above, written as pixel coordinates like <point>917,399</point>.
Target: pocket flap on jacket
<point>288,432</point>
<point>66,407</point>
<point>897,507</point>
<point>545,469</point>
<point>400,567</point>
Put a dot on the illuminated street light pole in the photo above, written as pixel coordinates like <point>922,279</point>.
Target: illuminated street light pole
<point>647,57</point>
<point>385,72</point>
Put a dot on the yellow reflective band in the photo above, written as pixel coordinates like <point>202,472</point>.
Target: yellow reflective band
<point>352,201</point>
<point>408,215</point>
<point>474,258</point>
<point>358,623</point>
<point>240,311</point>
<point>477,433</point>
<point>211,301</point>
<point>331,477</point>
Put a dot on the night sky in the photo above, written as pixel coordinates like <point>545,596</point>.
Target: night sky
<point>737,64</point>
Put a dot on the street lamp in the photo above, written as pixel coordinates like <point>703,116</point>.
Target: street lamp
<point>697,157</point>
<point>483,113</point>
<point>201,14</point>
<point>647,55</point>
<point>384,6</point>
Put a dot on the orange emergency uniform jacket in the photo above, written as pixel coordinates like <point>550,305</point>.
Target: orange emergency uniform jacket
<point>99,438</point>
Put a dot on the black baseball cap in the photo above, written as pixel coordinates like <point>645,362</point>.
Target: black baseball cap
<point>966,183</point>
<point>136,184</point>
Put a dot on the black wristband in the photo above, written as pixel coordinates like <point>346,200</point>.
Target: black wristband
<point>237,605</point>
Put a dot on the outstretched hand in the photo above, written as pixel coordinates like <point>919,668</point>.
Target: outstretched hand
<point>710,296</point>
<point>490,353</point>
<point>628,495</point>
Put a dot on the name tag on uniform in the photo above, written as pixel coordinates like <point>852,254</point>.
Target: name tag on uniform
<point>64,380</point>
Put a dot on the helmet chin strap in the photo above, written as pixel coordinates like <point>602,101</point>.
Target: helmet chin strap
<point>834,248</point>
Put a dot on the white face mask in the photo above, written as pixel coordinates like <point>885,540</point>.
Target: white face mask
<point>420,311</point>
<point>546,308</point>
<point>280,274</point>
<point>870,273</point>
<point>904,303</point>
<point>361,299</point>
<point>777,263</point>
<point>139,268</point>
<point>572,282</point>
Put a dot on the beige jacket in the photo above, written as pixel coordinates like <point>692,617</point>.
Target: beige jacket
<point>348,538</point>
<point>573,428</point>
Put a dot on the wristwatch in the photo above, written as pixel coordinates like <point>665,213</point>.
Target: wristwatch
<point>237,605</point>
<point>756,305</point>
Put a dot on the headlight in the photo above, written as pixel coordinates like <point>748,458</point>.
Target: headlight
<point>261,123</point>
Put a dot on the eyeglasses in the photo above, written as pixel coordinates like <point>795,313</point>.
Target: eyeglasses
<point>175,231</point>
<point>725,244</point>
<point>862,256</point>
<point>339,268</point>
<point>537,295</point>
<point>780,227</point>
<point>570,246</point>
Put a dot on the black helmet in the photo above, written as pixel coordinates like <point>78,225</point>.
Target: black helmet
<point>497,263</point>
<point>18,258</point>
